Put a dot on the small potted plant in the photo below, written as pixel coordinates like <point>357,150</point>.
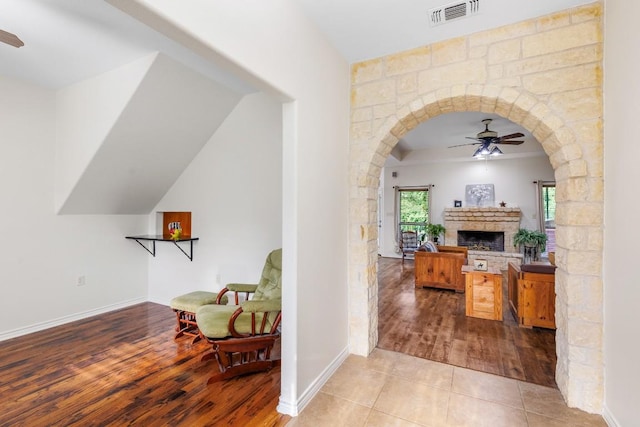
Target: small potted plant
<point>532,242</point>
<point>434,231</point>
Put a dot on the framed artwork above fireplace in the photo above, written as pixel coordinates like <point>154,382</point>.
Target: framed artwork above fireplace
<point>480,195</point>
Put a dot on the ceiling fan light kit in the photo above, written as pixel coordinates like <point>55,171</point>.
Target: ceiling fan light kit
<point>496,152</point>
<point>484,152</point>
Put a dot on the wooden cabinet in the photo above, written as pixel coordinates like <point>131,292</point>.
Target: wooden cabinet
<point>483,293</point>
<point>532,296</point>
<point>441,269</point>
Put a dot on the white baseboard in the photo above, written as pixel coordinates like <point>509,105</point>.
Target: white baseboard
<point>609,418</point>
<point>287,408</point>
<point>66,319</point>
<point>294,408</point>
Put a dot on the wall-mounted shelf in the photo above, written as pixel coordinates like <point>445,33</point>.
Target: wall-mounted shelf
<point>160,238</point>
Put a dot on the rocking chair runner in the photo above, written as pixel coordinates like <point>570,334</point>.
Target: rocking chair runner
<point>243,335</point>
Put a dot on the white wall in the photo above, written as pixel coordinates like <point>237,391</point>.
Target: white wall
<point>86,113</point>
<point>233,188</point>
<point>43,254</point>
<point>622,210</point>
<point>512,180</point>
<point>280,49</point>
<point>169,116</point>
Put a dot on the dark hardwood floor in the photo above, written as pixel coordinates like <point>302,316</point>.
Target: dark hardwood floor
<point>432,324</point>
<point>124,368</point>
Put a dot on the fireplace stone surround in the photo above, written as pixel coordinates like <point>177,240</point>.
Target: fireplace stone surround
<point>486,219</point>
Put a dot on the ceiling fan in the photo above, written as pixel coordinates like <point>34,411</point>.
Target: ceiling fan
<point>487,137</point>
<point>10,39</point>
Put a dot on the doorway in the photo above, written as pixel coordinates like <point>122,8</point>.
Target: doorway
<point>553,136</point>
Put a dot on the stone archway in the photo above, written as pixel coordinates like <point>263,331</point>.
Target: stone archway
<point>382,113</point>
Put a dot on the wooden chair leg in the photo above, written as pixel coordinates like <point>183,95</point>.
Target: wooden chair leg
<point>187,326</point>
<point>241,356</point>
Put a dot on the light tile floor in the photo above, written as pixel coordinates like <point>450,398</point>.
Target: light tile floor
<point>390,389</point>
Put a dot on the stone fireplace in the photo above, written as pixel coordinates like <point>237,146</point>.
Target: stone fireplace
<point>482,226</point>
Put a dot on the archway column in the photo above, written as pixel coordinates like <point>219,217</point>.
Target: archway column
<point>363,262</point>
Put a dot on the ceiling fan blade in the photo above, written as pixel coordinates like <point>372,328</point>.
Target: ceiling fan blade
<point>476,139</point>
<point>511,136</point>
<point>465,145</point>
<point>10,39</point>
<point>509,142</point>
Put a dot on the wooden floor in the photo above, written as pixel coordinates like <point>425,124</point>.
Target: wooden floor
<point>432,324</point>
<point>124,368</point>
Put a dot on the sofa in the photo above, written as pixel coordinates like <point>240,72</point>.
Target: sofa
<point>440,267</point>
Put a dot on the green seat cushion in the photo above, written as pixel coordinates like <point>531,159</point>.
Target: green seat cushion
<point>191,301</point>
<point>213,320</point>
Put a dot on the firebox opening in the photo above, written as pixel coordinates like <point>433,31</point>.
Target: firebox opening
<point>481,240</point>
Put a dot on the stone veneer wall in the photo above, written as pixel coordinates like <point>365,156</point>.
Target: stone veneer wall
<point>499,260</point>
<point>544,74</point>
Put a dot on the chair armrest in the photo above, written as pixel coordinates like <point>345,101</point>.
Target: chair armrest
<point>254,307</point>
<point>262,306</point>
<point>242,287</point>
<point>247,288</point>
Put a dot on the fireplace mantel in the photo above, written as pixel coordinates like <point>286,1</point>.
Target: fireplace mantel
<point>482,214</point>
<point>481,219</point>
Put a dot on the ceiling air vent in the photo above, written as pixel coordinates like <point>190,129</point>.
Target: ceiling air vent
<point>447,13</point>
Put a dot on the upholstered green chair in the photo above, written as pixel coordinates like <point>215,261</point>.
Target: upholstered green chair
<point>243,334</point>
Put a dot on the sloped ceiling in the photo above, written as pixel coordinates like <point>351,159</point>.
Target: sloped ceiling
<point>169,117</point>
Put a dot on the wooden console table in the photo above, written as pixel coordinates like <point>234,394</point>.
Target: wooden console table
<point>483,293</point>
<point>531,294</point>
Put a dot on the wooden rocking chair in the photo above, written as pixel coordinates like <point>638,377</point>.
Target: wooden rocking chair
<point>243,335</point>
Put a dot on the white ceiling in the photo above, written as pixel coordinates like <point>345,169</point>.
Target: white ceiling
<point>67,41</point>
<point>365,29</point>
<point>431,141</point>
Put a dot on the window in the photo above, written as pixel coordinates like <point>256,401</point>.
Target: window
<point>547,194</point>
<point>413,210</point>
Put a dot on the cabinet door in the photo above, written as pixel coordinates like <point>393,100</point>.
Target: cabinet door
<point>483,295</point>
<point>538,303</point>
